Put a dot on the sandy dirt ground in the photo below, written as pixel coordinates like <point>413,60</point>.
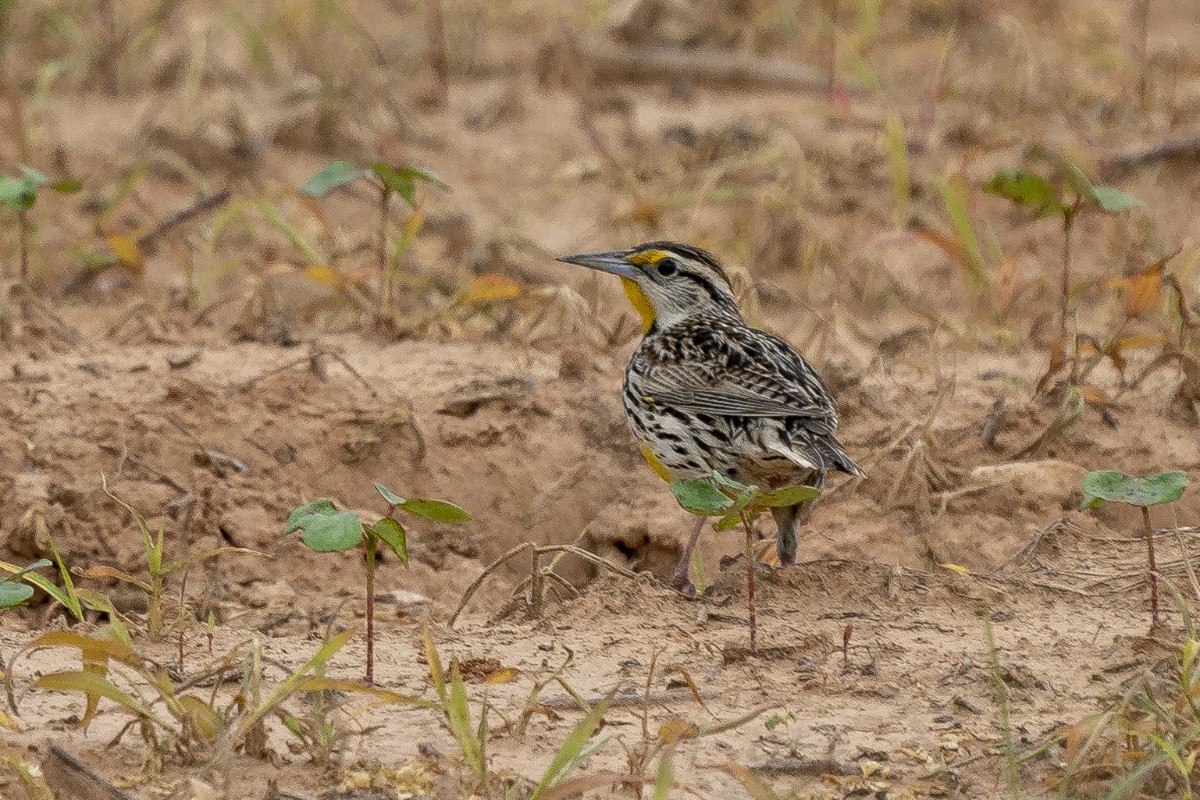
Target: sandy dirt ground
<point>218,380</point>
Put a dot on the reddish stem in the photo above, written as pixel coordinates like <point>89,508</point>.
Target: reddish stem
<point>370,546</point>
<point>1153,567</point>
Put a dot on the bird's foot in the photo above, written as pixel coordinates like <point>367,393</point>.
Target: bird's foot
<point>682,584</point>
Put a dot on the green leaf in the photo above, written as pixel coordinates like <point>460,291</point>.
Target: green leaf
<point>395,181</point>
<point>727,523</point>
<point>391,533</point>
<point>788,496</point>
<point>387,494</point>
<point>94,685</point>
<point>401,179</point>
<point>1025,189</point>
<point>1114,200</point>
<point>38,178</point>
<point>438,510</point>
<point>964,231</point>
<point>18,194</point>
<point>1076,179</point>
<point>331,177</point>
<point>701,497</point>
<point>1118,487</point>
<point>414,172</point>
<point>458,717</point>
<point>729,483</point>
<point>324,528</point>
<point>569,754</point>
<point>14,594</point>
<point>66,185</point>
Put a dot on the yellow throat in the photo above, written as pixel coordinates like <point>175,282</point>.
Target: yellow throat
<point>640,302</point>
<point>644,307</point>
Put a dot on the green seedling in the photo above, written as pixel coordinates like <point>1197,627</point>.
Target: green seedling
<point>160,570</point>
<point>472,739</point>
<point>1152,490</point>
<point>12,591</point>
<point>172,714</point>
<point>68,596</point>
<point>387,180</point>
<point>733,503</point>
<point>20,194</point>
<point>325,529</point>
<point>1065,194</point>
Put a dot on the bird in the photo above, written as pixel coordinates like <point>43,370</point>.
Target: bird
<point>704,391</point>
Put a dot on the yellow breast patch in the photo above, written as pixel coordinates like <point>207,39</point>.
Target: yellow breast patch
<point>640,302</point>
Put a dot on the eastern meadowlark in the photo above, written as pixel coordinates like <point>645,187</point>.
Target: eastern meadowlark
<point>705,391</point>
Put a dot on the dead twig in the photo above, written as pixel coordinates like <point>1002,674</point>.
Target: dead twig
<point>202,205</point>
<point>815,767</point>
<point>1184,147</point>
<point>535,555</point>
<point>607,60</point>
<point>122,454</point>
<point>134,461</point>
<point>562,701</point>
<point>68,777</point>
<point>991,425</point>
<point>30,302</point>
<point>313,359</point>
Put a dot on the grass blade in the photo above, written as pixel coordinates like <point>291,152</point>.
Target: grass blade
<point>568,755</point>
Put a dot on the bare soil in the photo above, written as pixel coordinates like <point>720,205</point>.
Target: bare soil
<point>215,420</point>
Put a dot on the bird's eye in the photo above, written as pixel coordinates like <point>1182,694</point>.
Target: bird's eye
<point>666,267</point>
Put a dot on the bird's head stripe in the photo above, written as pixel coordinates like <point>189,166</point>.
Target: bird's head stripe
<point>646,258</point>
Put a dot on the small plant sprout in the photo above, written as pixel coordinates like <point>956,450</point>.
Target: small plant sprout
<point>20,194</point>
<point>1152,490</point>
<point>733,503</point>
<point>12,591</point>
<point>325,529</point>
<point>387,180</point>
<point>1065,195</point>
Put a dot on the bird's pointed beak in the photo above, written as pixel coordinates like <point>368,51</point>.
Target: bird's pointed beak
<point>613,262</point>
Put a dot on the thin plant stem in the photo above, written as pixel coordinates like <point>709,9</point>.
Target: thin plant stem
<point>1001,692</point>
<point>385,300</point>
<point>23,246</point>
<point>370,558</point>
<point>750,583</point>
<point>1065,287</point>
<point>535,583</point>
<point>1153,567</point>
<point>1141,22</point>
<point>435,33</point>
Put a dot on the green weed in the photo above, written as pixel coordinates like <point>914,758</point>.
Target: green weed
<point>326,530</point>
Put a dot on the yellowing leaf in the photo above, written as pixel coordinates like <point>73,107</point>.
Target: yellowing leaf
<point>126,249</point>
<point>503,675</point>
<point>1094,396</point>
<point>324,274</point>
<point>95,686</point>
<point>205,717</point>
<point>676,730</point>
<point>8,722</point>
<point>491,289</point>
<point>91,649</point>
<point>1144,291</point>
<point>102,571</point>
<point>956,569</point>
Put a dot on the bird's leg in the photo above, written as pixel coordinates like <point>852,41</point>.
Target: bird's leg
<point>786,543</point>
<point>679,578</point>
